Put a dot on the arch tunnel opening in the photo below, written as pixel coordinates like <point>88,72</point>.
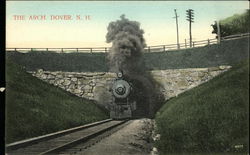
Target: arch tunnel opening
<point>140,96</point>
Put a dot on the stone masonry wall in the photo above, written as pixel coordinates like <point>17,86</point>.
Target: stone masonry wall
<point>91,84</point>
<point>176,81</point>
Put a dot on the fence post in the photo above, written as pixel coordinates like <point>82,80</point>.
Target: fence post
<point>148,48</point>
<point>91,50</point>
<point>218,32</point>
<point>185,43</point>
<point>208,41</point>
<point>62,50</point>
<point>31,49</point>
<point>105,49</point>
<point>15,49</point>
<point>76,49</point>
<point>47,49</point>
<point>193,44</point>
<point>164,48</point>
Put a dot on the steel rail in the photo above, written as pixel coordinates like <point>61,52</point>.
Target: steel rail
<point>27,142</point>
<point>80,140</point>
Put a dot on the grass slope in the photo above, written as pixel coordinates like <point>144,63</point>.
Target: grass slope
<point>208,56</point>
<point>77,62</point>
<point>34,107</point>
<point>210,118</point>
<point>226,53</point>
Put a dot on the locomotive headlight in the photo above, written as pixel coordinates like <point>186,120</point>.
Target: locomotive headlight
<point>119,74</point>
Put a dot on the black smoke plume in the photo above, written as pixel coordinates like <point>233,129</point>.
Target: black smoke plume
<point>127,45</point>
<point>126,55</point>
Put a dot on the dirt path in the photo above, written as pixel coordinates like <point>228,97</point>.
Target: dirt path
<point>135,138</point>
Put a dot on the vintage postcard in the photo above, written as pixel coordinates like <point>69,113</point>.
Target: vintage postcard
<point>127,77</point>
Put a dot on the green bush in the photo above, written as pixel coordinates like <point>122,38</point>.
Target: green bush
<point>210,118</point>
<point>34,107</point>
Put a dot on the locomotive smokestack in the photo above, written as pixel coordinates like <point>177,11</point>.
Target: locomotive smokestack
<point>125,55</point>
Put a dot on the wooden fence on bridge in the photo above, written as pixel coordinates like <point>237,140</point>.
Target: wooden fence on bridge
<point>158,48</point>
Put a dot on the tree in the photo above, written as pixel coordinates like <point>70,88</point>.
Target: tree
<point>236,24</point>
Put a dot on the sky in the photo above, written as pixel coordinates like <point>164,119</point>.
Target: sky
<point>155,18</point>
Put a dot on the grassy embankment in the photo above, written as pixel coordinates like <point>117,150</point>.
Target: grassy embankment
<point>34,107</point>
<point>208,56</point>
<point>210,118</point>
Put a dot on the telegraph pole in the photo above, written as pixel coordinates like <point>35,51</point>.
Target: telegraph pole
<point>176,19</point>
<point>190,18</point>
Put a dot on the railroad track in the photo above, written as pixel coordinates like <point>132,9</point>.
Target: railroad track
<point>69,141</point>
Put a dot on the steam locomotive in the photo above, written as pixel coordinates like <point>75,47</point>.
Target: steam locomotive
<point>122,105</point>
